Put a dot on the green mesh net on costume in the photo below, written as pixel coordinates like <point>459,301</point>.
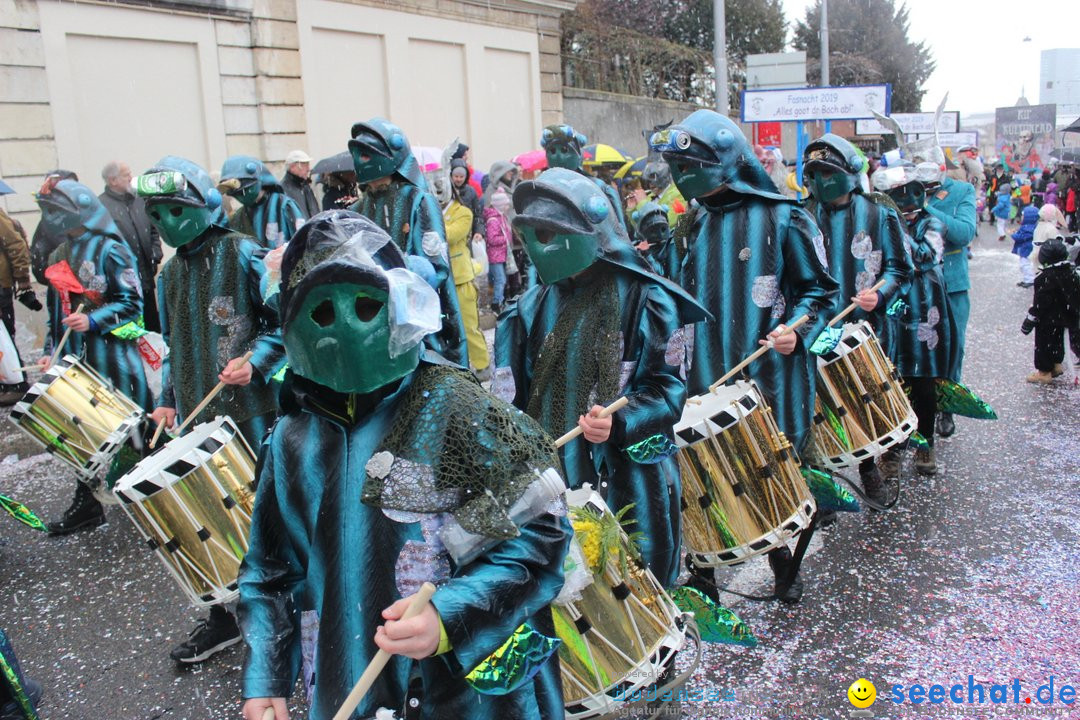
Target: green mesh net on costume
<point>455,448</point>
<point>579,362</point>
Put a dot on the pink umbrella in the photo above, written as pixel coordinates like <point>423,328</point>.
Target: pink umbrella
<point>429,158</point>
<point>532,160</point>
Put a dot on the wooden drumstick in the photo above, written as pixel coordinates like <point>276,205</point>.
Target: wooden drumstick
<point>211,395</point>
<point>371,672</point>
<point>756,354</point>
<point>157,434</point>
<point>609,410</point>
<point>64,338</point>
<point>851,308</point>
<point>268,714</point>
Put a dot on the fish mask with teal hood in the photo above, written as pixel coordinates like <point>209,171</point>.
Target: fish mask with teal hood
<point>244,177</point>
<point>651,223</point>
<point>831,166</point>
<point>563,146</point>
<point>707,151</point>
<point>901,183</point>
<point>352,314</point>
<point>67,205</point>
<point>182,211</point>
<point>568,226</point>
<point>379,148</point>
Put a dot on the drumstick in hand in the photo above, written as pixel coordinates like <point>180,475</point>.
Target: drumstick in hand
<point>211,395</point>
<point>756,354</point>
<point>609,410</point>
<point>63,339</point>
<point>157,434</point>
<point>371,672</point>
<point>851,308</point>
<point>268,714</point>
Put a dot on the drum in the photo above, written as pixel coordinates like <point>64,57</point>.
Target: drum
<point>861,409</point>
<point>191,500</point>
<point>618,627</point>
<point>78,416</point>
<point>742,491</point>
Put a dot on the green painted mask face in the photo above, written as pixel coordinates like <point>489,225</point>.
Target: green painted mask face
<point>558,257</point>
<point>696,179</point>
<point>370,165</point>
<point>909,198</point>
<point>179,224</point>
<point>828,185</point>
<point>340,338</point>
<point>248,193</point>
<point>562,155</point>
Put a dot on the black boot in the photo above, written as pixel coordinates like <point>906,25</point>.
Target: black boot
<point>787,589</point>
<point>946,426</point>
<point>873,484</point>
<point>209,637</point>
<point>85,513</point>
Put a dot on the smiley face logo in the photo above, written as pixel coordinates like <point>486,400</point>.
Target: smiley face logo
<point>862,693</point>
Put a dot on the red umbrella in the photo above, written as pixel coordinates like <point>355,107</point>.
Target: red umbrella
<point>532,160</point>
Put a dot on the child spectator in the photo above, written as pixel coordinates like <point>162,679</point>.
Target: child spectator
<point>1022,244</point>
<point>1056,307</point>
<point>498,245</point>
<point>1001,210</point>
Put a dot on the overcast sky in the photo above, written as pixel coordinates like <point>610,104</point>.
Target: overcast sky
<point>982,59</point>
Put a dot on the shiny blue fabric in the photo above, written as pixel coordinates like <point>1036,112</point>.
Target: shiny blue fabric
<point>320,559</point>
<point>271,222</point>
<point>212,311</point>
<point>954,205</point>
<point>105,264</point>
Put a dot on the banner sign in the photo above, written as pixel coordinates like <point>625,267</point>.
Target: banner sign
<point>911,124</point>
<point>820,103</point>
<point>1024,136</point>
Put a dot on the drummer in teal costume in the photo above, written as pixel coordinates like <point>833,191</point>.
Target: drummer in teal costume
<point>599,326</point>
<point>924,344</point>
<point>266,213</point>
<point>563,146</point>
<point>864,243</point>
<point>653,237</point>
<point>212,313</point>
<point>396,198</point>
<point>756,260</point>
<point>94,267</point>
<point>382,445</point>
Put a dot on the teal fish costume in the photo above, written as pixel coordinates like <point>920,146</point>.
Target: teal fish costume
<point>271,218</point>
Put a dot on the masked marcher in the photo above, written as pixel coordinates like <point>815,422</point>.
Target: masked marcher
<point>654,239</point>
<point>396,198</point>
<point>923,345</point>
<point>864,242</point>
<point>382,452</point>
<point>296,182</point>
<point>563,146</point>
<point>756,260</point>
<point>460,225</point>
<point>95,268</point>
<point>212,313</point>
<point>45,240</point>
<point>129,214</point>
<point>657,178</point>
<point>266,213</point>
<point>599,326</point>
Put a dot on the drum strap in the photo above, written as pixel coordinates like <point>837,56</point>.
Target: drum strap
<point>414,696</point>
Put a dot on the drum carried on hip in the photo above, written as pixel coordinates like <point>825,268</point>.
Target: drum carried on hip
<point>742,491</point>
<point>861,409</point>
<point>192,501</point>
<point>78,416</point>
<point>619,629</point>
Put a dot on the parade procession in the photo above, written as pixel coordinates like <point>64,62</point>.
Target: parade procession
<point>573,438</point>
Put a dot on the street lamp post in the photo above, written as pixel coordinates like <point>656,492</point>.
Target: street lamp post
<point>720,58</point>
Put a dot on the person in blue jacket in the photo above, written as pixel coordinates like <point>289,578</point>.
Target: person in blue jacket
<point>397,199</point>
<point>266,212</point>
<point>1002,210</point>
<point>383,448</point>
<point>95,268</point>
<point>1023,243</point>
<point>756,261</point>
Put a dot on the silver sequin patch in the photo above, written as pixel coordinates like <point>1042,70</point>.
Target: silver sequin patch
<point>503,385</point>
<point>819,250</point>
<point>927,331</point>
<point>222,311</point>
<point>765,290</point>
<point>90,281</point>
<point>873,262</point>
<point>422,561</point>
<point>675,353</point>
<point>861,245</point>
<point>864,281</point>
<point>744,254</point>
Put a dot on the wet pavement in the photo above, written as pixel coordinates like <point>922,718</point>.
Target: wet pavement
<point>974,573</point>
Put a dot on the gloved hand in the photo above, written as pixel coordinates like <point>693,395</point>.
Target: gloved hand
<point>29,298</point>
<point>1028,325</point>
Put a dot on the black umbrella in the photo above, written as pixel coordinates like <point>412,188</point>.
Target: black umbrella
<point>1073,127</point>
<point>342,162</point>
<point>1067,155</point>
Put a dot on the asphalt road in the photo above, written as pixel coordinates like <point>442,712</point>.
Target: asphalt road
<point>974,573</point>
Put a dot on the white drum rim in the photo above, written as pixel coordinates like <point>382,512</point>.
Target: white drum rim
<point>873,450</point>
<point>701,412</point>
<point>792,526</point>
<point>169,453</point>
<point>861,329</point>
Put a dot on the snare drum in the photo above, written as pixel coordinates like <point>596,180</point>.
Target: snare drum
<point>192,502</point>
<point>742,491</point>
<point>861,409</point>
<point>78,416</point>
<point>621,630</point>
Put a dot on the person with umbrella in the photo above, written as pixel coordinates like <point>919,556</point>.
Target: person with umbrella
<point>338,178</point>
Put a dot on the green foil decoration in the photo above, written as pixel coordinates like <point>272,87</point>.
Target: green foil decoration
<point>715,622</point>
<point>952,397</point>
<point>11,677</point>
<point>918,441</point>
<point>829,494</point>
<point>897,308</point>
<point>827,340</point>
<point>22,513</point>
<point>836,425</point>
<point>515,662</point>
<point>132,330</point>
<point>651,450</point>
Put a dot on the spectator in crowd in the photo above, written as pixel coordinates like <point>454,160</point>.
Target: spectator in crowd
<point>339,190</point>
<point>129,214</point>
<point>476,178</point>
<point>468,197</point>
<point>14,281</point>
<point>297,182</point>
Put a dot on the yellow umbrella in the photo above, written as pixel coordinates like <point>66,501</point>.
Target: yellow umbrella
<point>600,154</point>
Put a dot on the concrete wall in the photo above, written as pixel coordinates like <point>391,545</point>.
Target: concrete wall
<point>618,120</point>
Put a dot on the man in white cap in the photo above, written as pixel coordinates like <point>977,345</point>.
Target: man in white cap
<point>297,182</point>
